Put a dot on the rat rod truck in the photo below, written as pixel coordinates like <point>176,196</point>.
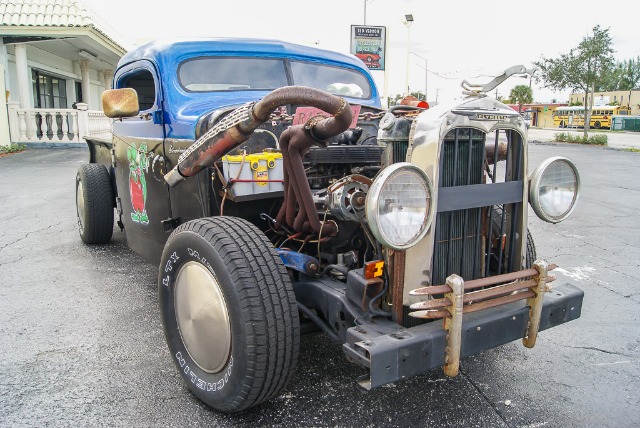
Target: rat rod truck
<point>278,198</point>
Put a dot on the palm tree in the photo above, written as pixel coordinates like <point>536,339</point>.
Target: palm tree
<point>521,94</point>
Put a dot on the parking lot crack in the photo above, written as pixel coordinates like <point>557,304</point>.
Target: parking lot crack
<point>592,348</point>
<point>485,397</point>
<point>29,234</point>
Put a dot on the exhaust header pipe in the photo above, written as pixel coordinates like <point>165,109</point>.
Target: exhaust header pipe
<point>238,126</point>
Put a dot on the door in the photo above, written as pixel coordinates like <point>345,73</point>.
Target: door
<point>139,149</point>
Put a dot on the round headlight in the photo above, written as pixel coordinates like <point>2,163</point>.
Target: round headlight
<point>554,188</point>
<point>400,206</point>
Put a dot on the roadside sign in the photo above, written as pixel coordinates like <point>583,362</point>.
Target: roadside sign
<point>369,44</point>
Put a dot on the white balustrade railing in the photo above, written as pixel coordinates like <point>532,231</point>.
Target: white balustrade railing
<point>34,125</point>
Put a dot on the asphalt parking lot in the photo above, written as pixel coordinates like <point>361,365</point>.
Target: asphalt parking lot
<point>82,343</point>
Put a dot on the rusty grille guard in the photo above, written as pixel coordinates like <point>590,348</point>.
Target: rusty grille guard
<point>502,289</point>
<point>473,322</point>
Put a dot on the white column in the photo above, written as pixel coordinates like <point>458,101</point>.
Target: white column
<point>5,138</point>
<point>24,78</point>
<point>86,86</point>
<point>5,63</point>
<point>108,77</point>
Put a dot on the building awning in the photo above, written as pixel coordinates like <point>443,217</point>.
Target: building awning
<point>65,28</point>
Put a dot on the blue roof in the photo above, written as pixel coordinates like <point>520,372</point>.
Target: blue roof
<point>176,50</point>
<point>182,109</point>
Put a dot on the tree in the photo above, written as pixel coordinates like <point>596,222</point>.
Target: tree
<point>629,74</point>
<point>521,94</point>
<point>624,76</point>
<point>581,69</point>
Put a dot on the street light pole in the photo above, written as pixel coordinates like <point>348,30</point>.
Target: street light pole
<point>408,20</point>
<point>365,12</point>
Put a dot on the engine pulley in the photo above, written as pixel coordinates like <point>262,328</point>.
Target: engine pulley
<point>346,197</point>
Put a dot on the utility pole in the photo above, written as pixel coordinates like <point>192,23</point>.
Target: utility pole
<point>426,73</point>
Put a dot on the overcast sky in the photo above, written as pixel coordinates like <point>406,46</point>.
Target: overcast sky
<point>459,38</point>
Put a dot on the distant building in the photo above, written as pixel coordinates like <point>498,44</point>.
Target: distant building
<point>539,115</point>
<point>54,55</point>
<point>622,98</point>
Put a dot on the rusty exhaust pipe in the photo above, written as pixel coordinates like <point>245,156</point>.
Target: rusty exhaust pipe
<point>238,126</point>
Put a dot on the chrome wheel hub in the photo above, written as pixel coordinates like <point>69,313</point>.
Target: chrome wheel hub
<point>203,319</point>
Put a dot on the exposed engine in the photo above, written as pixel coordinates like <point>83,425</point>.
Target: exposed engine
<point>305,184</point>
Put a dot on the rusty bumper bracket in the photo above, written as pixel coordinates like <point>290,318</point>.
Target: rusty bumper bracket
<point>452,307</point>
<point>408,352</point>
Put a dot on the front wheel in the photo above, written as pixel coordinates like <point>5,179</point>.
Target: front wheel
<point>597,125</point>
<point>531,254</point>
<point>229,313</point>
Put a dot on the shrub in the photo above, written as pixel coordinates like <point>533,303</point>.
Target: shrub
<point>595,139</point>
<point>598,139</point>
<point>13,148</point>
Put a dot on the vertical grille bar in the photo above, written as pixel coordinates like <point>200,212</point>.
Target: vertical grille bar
<point>466,212</point>
<point>503,217</point>
<point>490,210</point>
<point>478,246</point>
<point>453,184</point>
<point>516,142</point>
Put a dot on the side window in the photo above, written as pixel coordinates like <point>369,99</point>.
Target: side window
<point>142,81</point>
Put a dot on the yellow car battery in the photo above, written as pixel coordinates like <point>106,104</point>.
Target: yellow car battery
<point>254,173</point>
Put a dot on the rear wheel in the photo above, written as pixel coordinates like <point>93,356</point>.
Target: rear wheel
<point>94,204</point>
<point>229,313</point>
<point>597,125</point>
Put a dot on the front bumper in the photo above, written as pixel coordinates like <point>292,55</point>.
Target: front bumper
<point>408,352</point>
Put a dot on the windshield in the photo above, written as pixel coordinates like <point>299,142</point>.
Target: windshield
<point>214,74</point>
<point>335,80</point>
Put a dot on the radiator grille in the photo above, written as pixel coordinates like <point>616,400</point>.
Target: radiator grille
<point>399,151</point>
<point>477,241</point>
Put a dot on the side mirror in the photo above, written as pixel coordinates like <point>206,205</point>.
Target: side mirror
<point>118,103</point>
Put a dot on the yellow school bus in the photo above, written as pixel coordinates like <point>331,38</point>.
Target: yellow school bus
<point>573,117</point>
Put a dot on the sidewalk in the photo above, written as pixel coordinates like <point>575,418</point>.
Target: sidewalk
<point>616,139</point>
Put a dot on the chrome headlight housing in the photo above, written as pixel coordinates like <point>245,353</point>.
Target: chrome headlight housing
<point>554,188</point>
<point>399,206</point>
